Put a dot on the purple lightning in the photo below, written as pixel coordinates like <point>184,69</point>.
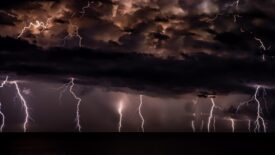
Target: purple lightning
<point>232,124</point>
<point>259,122</point>
<point>120,109</point>
<point>69,86</point>
<point>195,102</point>
<point>78,105</point>
<point>1,113</point>
<point>23,101</point>
<point>262,46</point>
<point>211,114</point>
<point>3,118</point>
<point>24,104</point>
<point>139,112</point>
<point>249,125</point>
<point>63,90</point>
<point>193,126</point>
<point>259,117</point>
<point>236,4</point>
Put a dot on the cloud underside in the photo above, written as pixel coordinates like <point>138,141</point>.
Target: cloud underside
<point>138,72</point>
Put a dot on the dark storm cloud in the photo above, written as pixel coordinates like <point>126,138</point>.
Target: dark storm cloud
<point>7,18</point>
<point>136,71</point>
<point>214,55</point>
<point>21,4</point>
<point>159,27</point>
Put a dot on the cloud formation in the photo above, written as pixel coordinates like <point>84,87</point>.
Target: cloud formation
<point>158,27</point>
<point>138,72</point>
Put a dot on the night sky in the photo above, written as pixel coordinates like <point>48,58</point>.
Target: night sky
<point>181,65</point>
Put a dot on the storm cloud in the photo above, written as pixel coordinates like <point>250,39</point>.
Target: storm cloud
<point>163,49</point>
<point>138,72</point>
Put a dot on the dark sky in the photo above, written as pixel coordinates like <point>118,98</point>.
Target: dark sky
<point>171,51</point>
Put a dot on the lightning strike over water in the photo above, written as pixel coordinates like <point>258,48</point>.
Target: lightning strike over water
<point>259,122</point>
<point>120,109</point>
<point>69,86</point>
<point>259,111</point>
<point>211,114</point>
<point>22,99</point>
<point>24,104</point>
<point>78,125</point>
<point>139,112</point>
<point>193,126</point>
<point>232,124</point>
<point>121,13</point>
<point>3,118</point>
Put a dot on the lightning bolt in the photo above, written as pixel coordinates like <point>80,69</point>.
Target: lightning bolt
<point>262,46</point>
<point>193,126</point>
<point>78,125</point>
<point>24,104</point>
<point>63,90</point>
<point>23,101</point>
<point>259,119</point>
<point>236,16</point>
<point>35,25</point>
<point>120,109</point>
<point>83,10</point>
<point>3,118</point>
<point>69,86</point>
<point>75,28</point>
<point>235,5</point>
<point>232,124</point>
<point>4,82</point>
<point>195,102</point>
<point>1,113</point>
<point>73,34</point>
<point>139,112</point>
<point>249,125</point>
<point>211,114</point>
